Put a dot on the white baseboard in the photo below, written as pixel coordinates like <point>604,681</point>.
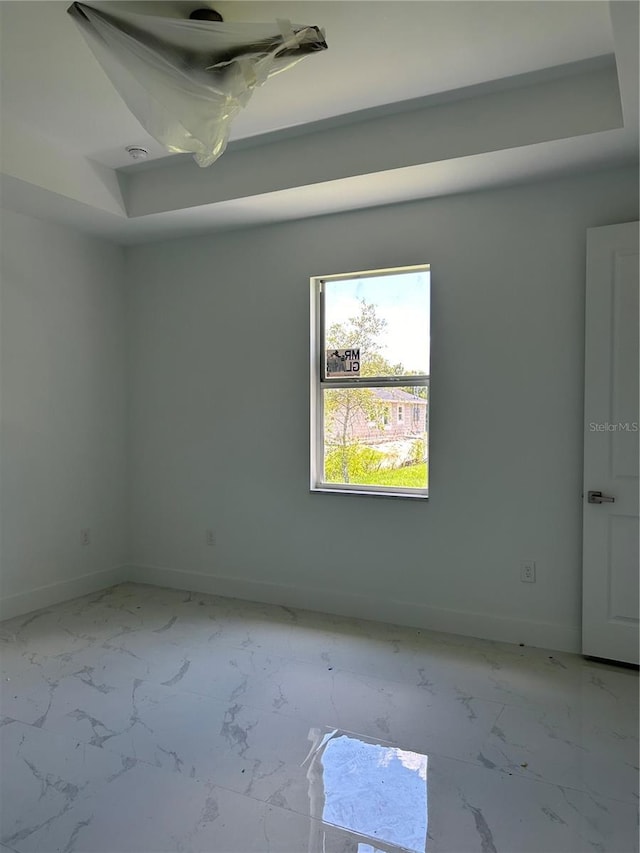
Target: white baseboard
<point>482,625</point>
<point>45,596</point>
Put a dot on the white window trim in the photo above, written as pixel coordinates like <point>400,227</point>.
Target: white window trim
<point>318,382</point>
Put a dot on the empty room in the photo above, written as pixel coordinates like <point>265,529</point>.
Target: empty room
<point>319,426</point>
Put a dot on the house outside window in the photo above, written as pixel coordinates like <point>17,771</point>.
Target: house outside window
<point>370,376</point>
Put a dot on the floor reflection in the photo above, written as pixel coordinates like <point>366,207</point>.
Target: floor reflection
<point>372,795</point>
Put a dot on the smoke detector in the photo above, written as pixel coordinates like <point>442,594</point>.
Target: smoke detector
<point>137,152</point>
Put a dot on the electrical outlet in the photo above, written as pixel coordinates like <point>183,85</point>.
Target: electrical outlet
<point>210,537</point>
<point>528,571</point>
<point>85,536</point>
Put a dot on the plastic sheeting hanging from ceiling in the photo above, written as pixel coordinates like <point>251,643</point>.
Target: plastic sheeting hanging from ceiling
<point>186,80</point>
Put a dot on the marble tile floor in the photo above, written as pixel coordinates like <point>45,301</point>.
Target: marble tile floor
<point>145,720</point>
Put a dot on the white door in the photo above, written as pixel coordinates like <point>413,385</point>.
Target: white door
<point>610,520</point>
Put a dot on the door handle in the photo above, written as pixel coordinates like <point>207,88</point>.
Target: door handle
<point>599,498</point>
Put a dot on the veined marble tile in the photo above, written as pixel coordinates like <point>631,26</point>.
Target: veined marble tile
<point>44,776</point>
<point>265,757</point>
<point>168,720</point>
<point>26,697</point>
<point>151,811</point>
<point>190,733</point>
<point>578,749</point>
<point>374,707</point>
<point>496,672</point>
<point>246,750</point>
<point>34,639</point>
<point>53,702</point>
<point>474,809</point>
<point>554,680</point>
<point>224,672</point>
<point>211,627</point>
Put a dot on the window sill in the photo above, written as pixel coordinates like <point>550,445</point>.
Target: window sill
<point>334,490</point>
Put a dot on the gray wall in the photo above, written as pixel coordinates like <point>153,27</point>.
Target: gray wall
<point>62,450</point>
<point>142,397</point>
<point>218,425</point>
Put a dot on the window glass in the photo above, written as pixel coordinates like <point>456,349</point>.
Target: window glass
<point>361,445</point>
<point>370,382</point>
<point>386,318</point>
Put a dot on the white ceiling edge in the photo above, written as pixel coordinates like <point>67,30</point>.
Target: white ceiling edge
<point>43,163</point>
<point>564,158</point>
<point>550,74</point>
<point>397,108</point>
<point>567,102</point>
<point>47,182</point>
<point>572,106</point>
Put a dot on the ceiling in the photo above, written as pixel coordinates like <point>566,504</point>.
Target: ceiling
<point>411,100</point>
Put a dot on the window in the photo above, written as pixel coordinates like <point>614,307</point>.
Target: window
<point>370,382</point>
